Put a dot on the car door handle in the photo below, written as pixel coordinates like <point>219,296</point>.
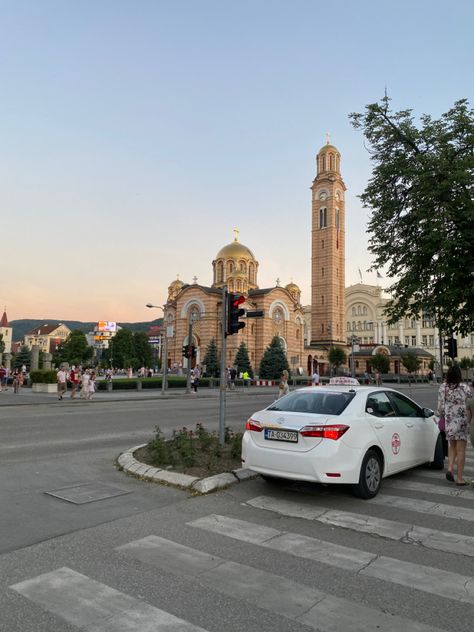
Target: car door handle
<point>378,426</point>
<point>408,425</point>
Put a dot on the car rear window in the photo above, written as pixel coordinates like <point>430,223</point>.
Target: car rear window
<point>318,403</point>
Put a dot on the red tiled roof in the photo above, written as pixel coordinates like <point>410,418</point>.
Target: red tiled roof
<point>4,321</point>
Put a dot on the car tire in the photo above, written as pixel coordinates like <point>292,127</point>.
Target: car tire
<point>438,459</point>
<point>370,478</point>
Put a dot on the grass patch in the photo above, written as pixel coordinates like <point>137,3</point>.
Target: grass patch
<point>196,452</point>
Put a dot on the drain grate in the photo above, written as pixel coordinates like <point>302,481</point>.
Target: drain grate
<point>87,493</point>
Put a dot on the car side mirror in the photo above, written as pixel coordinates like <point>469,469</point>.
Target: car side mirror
<point>427,412</point>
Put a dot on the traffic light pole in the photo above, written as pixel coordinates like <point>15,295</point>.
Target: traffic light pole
<point>223,381</point>
<point>190,342</point>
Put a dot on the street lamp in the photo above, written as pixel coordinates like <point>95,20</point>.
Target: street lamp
<point>399,346</point>
<point>353,340</point>
<point>164,352</point>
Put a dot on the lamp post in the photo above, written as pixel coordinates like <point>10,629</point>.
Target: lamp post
<point>164,351</point>
<point>399,346</point>
<point>353,340</point>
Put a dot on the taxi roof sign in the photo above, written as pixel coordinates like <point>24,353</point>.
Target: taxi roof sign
<point>347,381</point>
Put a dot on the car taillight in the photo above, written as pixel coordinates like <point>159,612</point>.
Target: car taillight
<point>253,425</point>
<point>333,431</point>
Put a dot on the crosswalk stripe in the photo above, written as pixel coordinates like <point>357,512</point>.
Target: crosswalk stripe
<point>390,529</point>
<point>91,605</point>
<point>439,476</point>
<point>447,489</point>
<point>424,506</point>
<point>445,584</point>
<point>266,590</point>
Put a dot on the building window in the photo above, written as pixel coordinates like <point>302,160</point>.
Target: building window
<point>365,310</point>
<point>413,341</point>
<point>322,244</point>
<point>322,300</point>
<point>348,326</point>
<point>331,162</point>
<point>322,328</point>
<point>322,272</point>
<point>251,273</point>
<point>407,340</point>
<point>424,341</point>
<point>323,217</point>
<point>353,311</point>
<point>431,339</point>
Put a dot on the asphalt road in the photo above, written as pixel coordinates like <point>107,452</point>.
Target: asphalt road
<point>251,558</point>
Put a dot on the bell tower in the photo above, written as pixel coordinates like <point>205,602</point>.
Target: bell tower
<point>328,250</point>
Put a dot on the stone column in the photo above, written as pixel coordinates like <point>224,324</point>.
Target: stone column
<point>385,333</point>
<point>47,361</point>
<point>34,357</point>
<point>7,358</point>
<point>401,333</point>
<point>418,333</point>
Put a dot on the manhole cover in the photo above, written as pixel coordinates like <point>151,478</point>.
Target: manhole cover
<point>87,493</point>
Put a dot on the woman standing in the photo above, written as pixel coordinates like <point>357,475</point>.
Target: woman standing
<point>452,406</point>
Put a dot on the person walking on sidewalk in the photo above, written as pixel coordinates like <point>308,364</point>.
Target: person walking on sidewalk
<point>16,380</point>
<point>61,376</point>
<point>74,379</point>
<point>85,384</point>
<point>452,397</point>
<point>91,386</point>
<point>3,373</point>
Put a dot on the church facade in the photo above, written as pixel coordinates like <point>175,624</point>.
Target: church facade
<point>236,267</point>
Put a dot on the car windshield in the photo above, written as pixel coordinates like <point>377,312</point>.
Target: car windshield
<point>319,403</point>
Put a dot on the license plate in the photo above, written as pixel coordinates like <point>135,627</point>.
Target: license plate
<point>281,435</point>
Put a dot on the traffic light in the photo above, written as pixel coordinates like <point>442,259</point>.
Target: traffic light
<point>185,351</point>
<point>193,351</point>
<point>451,347</point>
<point>234,312</point>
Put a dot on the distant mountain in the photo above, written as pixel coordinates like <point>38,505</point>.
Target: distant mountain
<point>24,325</point>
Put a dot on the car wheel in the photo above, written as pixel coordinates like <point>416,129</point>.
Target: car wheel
<point>370,477</point>
<point>438,459</point>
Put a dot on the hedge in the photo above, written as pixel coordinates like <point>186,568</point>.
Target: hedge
<point>43,376</point>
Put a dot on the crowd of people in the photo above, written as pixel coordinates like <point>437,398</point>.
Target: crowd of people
<point>80,380</point>
<point>17,376</point>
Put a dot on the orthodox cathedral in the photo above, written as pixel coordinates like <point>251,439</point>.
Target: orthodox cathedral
<point>236,267</point>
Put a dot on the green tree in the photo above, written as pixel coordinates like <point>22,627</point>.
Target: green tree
<point>410,362</point>
<point>274,361</point>
<point>211,360</point>
<point>142,349</point>
<point>466,363</point>
<point>22,357</point>
<point>121,352</point>
<point>380,362</point>
<point>422,203</point>
<point>74,349</point>
<point>337,356</point>
<point>2,344</point>
<point>242,360</point>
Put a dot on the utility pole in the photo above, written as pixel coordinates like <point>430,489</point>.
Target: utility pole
<point>223,381</point>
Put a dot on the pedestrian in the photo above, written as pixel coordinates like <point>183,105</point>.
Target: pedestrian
<point>91,386</point>
<point>246,378</point>
<point>193,380</point>
<point>315,378</point>
<point>85,384</point>
<point>470,412</point>
<point>61,377</point>
<point>74,379</point>
<point>452,407</point>
<point>283,388</point>
<point>16,380</point>
<point>378,378</point>
<point>233,377</point>
<point>3,373</point>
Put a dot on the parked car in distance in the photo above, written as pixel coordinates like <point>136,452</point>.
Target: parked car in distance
<point>342,433</point>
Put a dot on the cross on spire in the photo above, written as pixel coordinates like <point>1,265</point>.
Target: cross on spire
<point>236,234</point>
<point>195,279</point>
<point>328,138</point>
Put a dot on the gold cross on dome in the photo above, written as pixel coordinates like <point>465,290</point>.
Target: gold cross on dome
<point>328,138</point>
<point>236,234</point>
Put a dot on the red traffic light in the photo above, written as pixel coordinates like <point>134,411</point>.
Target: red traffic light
<point>237,300</point>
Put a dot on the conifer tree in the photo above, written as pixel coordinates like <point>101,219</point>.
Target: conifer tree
<point>242,360</point>
<point>274,361</point>
<point>211,360</point>
<point>23,357</point>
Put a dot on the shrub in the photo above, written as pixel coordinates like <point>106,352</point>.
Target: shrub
<point>43,376</point>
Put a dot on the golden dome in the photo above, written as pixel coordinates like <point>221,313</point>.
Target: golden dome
<point>328,147</point>
<point>292,287</point>
<point>235,250</point>
<point>177,283</point>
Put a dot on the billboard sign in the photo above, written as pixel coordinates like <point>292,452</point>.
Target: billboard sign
<point>106,325</point>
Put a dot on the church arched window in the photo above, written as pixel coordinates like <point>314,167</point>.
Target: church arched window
<point>323,163</point>
<point>243,267</point>
<point>353,325</point>
<point>353,311</point>
<point>365,310</point>
<point>323,217</point>
<point>238,286</point>
<point>348,326</point>
<point>251,273</point>
<point>331,162</point>
<point>359,311</point>
<point>220,272</point>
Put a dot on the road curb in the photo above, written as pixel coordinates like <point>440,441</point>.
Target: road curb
<point>129,464</point>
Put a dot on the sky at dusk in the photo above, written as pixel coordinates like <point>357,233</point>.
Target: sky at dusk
<point>134,136</point>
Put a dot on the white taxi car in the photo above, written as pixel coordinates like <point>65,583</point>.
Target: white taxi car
<point>342,433</point>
